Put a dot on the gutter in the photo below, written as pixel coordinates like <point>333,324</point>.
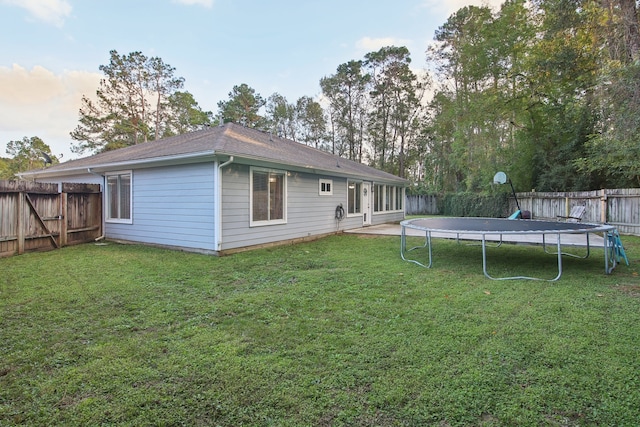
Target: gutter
<point>219,202</point>
<point>227,162</point>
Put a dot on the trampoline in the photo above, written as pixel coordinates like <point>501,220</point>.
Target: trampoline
<point>495,228</point>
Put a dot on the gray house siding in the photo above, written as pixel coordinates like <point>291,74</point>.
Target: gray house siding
<point>382,218</point>
<point>172,206</point>
<point>175,206</point>
<point>308,213</point>
<point>193,190</point>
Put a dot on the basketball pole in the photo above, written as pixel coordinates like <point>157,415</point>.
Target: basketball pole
<point>514,194</point>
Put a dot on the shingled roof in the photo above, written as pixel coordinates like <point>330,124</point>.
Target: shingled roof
<point>221,141</point>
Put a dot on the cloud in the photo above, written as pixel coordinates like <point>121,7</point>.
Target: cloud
<point>204,3</point>
<point>369,44</point>
<point>38,102</point>
<point>49,11</point>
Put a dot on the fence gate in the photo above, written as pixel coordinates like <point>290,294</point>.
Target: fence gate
<point>38,216</point>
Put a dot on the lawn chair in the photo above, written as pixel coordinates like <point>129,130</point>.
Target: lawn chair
<point>576,214</point>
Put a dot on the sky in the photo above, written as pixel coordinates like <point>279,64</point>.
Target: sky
<point>51,50</point>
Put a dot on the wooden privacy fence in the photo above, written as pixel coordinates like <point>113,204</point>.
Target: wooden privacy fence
<point>422,204</point>
<point>38,216</point>
<point>619,207</point>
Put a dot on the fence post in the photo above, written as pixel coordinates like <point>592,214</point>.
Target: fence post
<point>21,223</point>
<point>63,219</point>
<point>603,206</point>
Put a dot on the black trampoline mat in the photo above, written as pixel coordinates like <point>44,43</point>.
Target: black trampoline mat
<point>501,225</point>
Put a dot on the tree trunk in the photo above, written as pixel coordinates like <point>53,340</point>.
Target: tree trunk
<point>630,27</point>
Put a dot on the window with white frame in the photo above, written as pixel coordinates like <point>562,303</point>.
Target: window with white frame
<point>325,187</point>
<point>378,197</point>
<point>354,198</point>
<point>399,198</point>
<point>387,198</point>
<point>118,197</point>
<point>268,197</point>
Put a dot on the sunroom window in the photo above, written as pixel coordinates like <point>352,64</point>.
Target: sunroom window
<point>387,198</point>
<point>399,198</point>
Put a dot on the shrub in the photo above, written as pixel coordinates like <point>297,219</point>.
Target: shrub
<point>471,204</point>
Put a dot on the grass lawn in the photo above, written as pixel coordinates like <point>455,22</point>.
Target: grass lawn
<point>336,332</point>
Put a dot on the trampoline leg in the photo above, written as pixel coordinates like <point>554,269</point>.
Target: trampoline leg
<point>484,258</point>
<point>403,248</point>
<point>609,254</point>
<point>429,244</point>
<point>606,253</point>
<point>559,260</point>
<point>544,246</point>
<point>484,264</point>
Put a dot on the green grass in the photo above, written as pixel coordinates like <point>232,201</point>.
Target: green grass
<point>336,332</point>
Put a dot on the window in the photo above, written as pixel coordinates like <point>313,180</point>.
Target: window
<point>354,191</point>
<point>378,197</point>
<point>387,198</point>
<point>399,198</point>
<point>268,197</point>
<point>326,187</point>
<point>119,197</point>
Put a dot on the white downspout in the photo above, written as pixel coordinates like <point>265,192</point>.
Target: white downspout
<point>104,189</point>
<point>219,203</point>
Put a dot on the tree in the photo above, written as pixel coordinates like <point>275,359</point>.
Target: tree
<point>346,92</point>
<point>27,154</point>
<point>132,106</point>
<point>243,107</point>
<point>517,93</point>
<point>281,114</point>
<point>467,64</point>
<point>612,149</point>
<point>5,172</point>
<point>163,85</point>
<point>185,115</point>
<point>396,104</point>
<point>562,68</point>
<point>438,172</point>
<point>311,122</point>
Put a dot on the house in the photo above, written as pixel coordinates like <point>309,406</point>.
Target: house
<point>229,188</point>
